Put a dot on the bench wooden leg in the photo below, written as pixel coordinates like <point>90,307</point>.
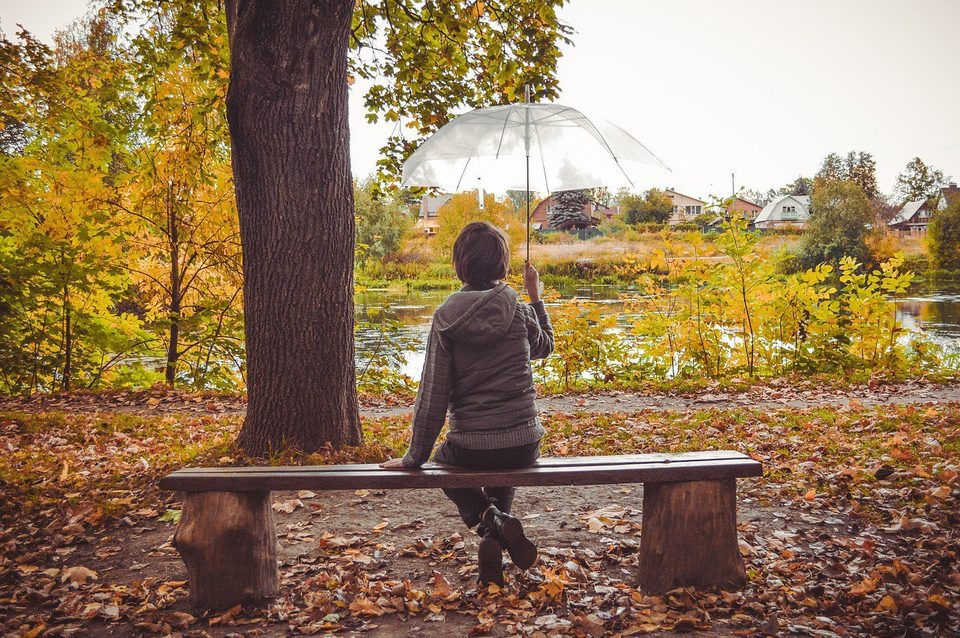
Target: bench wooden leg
<point>689,536</point>
<point>229,542</point>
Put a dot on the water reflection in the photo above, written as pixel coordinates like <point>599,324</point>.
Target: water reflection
<point>937,315</point>
<point>934,310</point>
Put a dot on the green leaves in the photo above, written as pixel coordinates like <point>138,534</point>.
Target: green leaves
<point>697,314</point>
<point>119,244</point>
<point>944,237</point>
<point>62,252</point>
<point>432,60</point>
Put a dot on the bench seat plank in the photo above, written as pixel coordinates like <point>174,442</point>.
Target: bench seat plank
<point>548,471</point>
<point>546,461</point>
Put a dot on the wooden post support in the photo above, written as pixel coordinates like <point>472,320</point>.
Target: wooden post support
<point>689,536</point>
<point>229,543</point>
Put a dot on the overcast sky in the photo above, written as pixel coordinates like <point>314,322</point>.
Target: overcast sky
<point>760,88</point>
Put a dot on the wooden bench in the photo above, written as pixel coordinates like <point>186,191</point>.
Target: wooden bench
<point>228,540</point>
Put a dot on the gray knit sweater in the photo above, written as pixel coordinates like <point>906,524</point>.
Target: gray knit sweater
<point>477,366</point>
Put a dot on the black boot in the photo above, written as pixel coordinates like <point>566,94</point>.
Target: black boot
<point>508,529</point>
<point>490,559</point>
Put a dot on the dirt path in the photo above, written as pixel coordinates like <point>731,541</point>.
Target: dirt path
<point>775,395</point>
<point>416,534</point>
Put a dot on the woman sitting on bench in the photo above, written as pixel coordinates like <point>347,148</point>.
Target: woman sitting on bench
<point>477,364</point>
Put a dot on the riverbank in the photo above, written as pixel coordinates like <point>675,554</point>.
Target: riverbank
<point>566,260</point>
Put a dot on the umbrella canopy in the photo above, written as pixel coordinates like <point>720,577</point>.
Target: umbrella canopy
<point>495,147</point>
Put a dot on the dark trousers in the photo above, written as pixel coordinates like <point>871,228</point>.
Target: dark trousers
<point>472,501</point>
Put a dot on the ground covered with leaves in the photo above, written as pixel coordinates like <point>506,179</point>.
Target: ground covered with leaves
<point>853,530</point>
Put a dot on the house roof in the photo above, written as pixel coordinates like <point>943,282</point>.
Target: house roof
<point>696,199</point>
<point>909,210</point>
<point>432,203</point>
<point>768,210</point>
<point>745,201</point>
<point>950,193</point>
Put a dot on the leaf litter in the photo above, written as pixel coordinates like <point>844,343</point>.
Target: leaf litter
<point>852,531</point>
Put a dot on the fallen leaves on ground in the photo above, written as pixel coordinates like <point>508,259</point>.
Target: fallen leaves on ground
<point>855,532</point>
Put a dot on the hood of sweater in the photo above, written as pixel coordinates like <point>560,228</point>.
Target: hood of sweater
<point>477,316</point>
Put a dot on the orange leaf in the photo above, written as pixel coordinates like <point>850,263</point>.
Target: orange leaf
<point>865,586</point>
<point>887,604</point>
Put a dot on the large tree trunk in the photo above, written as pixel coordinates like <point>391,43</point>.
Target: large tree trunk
<point>287,110</point>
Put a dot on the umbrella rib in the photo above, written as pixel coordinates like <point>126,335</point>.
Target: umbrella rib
<point>552,115</point>
<point>610,150</point>
<point>464,172</point>
<point>543,164</point>
<point>503,132</point>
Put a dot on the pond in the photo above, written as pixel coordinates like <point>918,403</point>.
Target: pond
<point>930,308</point>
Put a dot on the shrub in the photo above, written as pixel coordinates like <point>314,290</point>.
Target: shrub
<point>381,222</point>
<point>840,217</point>
<point>557,237</point>
<point>653,207</point>
<point>699,317</point>
<point>943,237</point>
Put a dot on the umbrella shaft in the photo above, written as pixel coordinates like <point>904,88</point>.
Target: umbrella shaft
<point>528,208</point>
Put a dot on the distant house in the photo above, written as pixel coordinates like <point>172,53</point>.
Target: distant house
<point>685,208</point>
<point>912,219</point>
<point>745,207</point>
<point>915,216</point>
<point>540,218</point>
<point>785,211</point>
<point>948,195</point>
<point>428,218</point>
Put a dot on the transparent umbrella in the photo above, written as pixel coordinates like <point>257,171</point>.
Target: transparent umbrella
<point>539,147</point>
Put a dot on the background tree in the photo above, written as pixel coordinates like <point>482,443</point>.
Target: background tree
<point>800,186</point>
<point>463,209</point>
<point>840,215</point>
<point>61,252</point>
<point>178,202</point>
<point>943,237</point>
<point>382,221</point>
<point>517,201</point>
<point>653,207</point>
<point>857,166</point>
<point>832,169</point>
<point>567,211</point>
<point>601,195</point>
<point>757,197</point>
<point>861,169</point>
<point>919,181</point>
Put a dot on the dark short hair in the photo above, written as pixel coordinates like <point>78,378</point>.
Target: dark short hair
<point>481,255</point>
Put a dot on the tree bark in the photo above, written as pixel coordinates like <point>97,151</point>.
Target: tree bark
<point>287,111</point>
<point>175,293</point>
<point>689,536</point>
<point>229,543</point>
<point>68,343</point>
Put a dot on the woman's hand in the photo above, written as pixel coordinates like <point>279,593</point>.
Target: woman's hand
<point>531,281</point>
<point>393,464</point>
